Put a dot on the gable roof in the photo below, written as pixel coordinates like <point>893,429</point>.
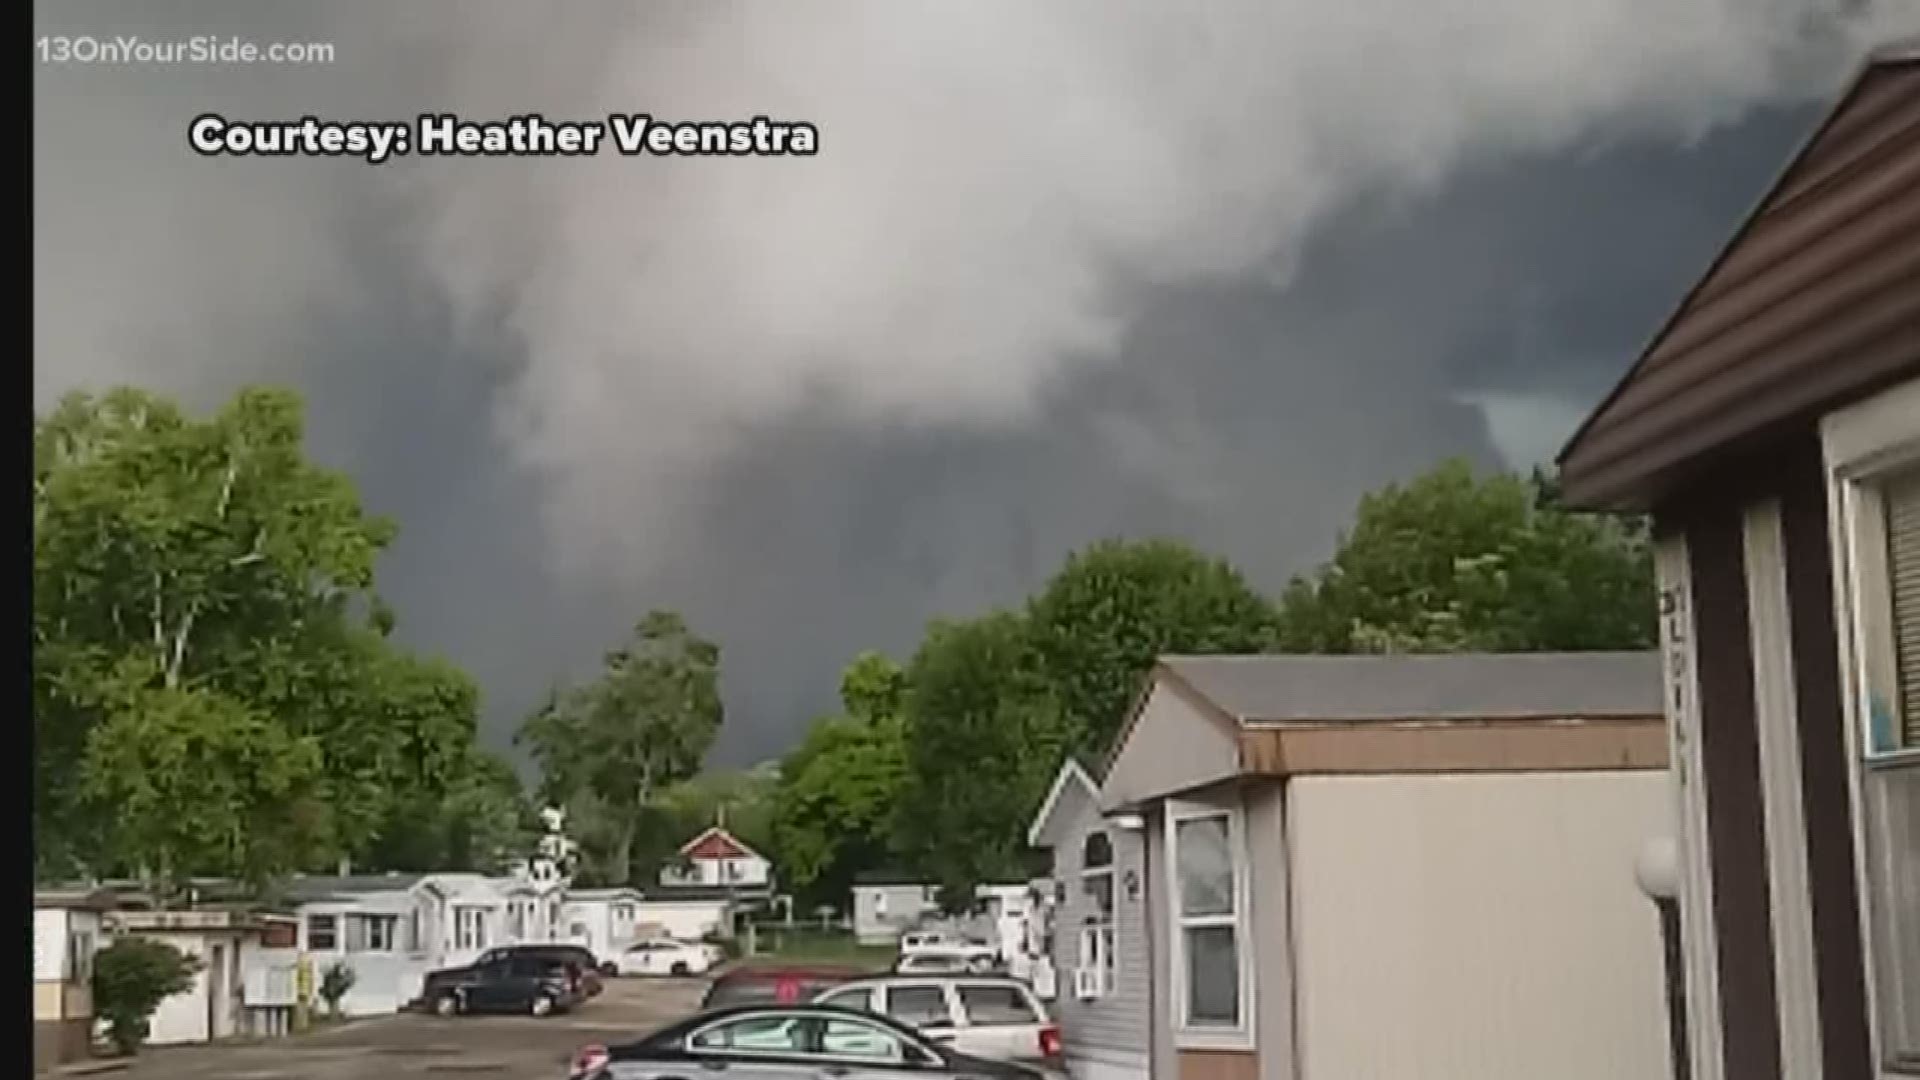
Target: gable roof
<point>717,843</point>
<point>1204,720</point>
<point>1815,301</point>
<point>339,886</point>
<point>1073,776</point>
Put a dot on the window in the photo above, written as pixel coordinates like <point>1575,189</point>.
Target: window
<point>1097,931</point>
<point>853,1039</point>
<point>1209,975</point>
<point>851,999</point>
<point>372,933</point>
<point>469,927</point>
<point>322,933</point>
<point>80,948</point>
<point>413,931</point>
<point>989,1004</point>
<point>918,1006</point>
<point>775,1034</point>
<point>1872,449</point>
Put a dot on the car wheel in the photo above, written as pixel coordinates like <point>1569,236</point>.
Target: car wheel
<point>679,969</point>
<point>447,1005</point>
<point>609,969</point>
<point>541,1005</point>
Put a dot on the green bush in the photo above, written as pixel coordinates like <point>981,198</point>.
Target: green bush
<point>131,977</point>
<point>334,984</point>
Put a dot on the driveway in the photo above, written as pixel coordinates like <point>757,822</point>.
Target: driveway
<point>389,1047</point>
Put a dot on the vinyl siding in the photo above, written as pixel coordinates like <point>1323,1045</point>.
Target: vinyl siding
<point>1814,302</point>
<point>1117,1022</point>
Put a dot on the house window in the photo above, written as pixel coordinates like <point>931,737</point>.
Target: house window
<point>1097,929</point>
<point>1887,620</point>
<point>413,931</point>
<point>322,933</point>
<point>1874,451</point>
<point>1210,973</point>
<point>80,948</point>
<point>469,927</point>
<point>372,933</point>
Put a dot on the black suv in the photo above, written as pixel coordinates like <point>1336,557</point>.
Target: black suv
<point>502,983</point>
<point>579,957</point>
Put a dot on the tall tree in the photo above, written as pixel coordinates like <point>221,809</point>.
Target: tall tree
<point>834,807</point>
<point>607,749</point>
<point>203,610</point>
<point>985,732</point>
<point>1098,625</point>
<point>1455,561</point>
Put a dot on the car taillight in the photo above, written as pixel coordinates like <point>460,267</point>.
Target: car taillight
<point>1049,1042</point>
<point>590,1060</point>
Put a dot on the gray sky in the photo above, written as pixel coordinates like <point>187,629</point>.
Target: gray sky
<point>1059,272</point>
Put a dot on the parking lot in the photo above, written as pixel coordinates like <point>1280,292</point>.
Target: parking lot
<point>387,1047</point>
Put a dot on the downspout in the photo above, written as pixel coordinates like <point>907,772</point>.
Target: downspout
<point>1657,871</point>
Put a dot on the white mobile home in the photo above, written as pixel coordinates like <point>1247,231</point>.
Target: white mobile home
<point>66,934</point>
<point>214,1006</point>
<point>885,907</point>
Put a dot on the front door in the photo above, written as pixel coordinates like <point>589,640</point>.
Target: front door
<point>491,987</point>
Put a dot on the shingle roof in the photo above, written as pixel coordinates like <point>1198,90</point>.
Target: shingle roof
<point>1283,689</point>
<point>328,885</point>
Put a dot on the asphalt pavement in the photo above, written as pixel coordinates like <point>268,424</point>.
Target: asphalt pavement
<point>392,1047</point>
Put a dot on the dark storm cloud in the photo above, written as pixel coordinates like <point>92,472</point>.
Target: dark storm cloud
<point>1060,272</point>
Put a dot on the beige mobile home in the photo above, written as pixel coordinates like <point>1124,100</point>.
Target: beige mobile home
<point>1398,866</point>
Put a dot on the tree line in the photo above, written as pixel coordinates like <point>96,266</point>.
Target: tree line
<point>933,767</point>
<point>217,689</point>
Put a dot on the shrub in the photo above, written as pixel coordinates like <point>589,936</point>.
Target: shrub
<point>334,984</point>
<point>131,977</point>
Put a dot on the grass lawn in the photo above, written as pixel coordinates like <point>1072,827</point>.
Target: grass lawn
<point>780,946</point>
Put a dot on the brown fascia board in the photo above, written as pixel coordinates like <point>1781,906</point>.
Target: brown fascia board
<point>1547,744</point>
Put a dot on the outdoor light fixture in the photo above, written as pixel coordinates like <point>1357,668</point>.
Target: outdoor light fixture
<point>1129,822</point>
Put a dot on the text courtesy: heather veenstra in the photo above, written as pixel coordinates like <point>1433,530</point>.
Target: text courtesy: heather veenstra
<point>446,135</point>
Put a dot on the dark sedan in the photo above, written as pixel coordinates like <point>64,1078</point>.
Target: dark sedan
<point>780,1042</point>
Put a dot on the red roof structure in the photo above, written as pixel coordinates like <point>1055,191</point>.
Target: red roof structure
<point>717,843</point>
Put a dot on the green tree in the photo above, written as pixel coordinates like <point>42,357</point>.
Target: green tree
<point>606,750</point>
<point>480,820</point>
<point>1100,623</point>
<point>1455,561</point>
<point>984,735</point>
<point>131,977</point>
<point>834,808</point>
<point>203,622</point>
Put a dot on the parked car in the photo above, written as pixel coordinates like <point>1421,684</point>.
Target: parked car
<point>780,1042</point>
<point>510,983</point>
<point>771,984</point>
<point>579,957</point>
<point>975,954</point>
<point>668,956</point>
<point>991,1017</point>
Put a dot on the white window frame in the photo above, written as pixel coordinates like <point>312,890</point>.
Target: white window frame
<point>1209,1037</point>
<point>372,932</point>
<point>334,931</point>
<point>462,913</point>
<point>1864,445</point>
<point>1097,931</point>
